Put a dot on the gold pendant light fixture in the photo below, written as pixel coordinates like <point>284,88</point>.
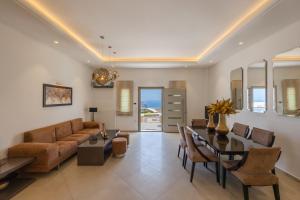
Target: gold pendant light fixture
<point>104,77</point>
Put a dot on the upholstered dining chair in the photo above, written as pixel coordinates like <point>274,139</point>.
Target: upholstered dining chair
<point>255,169</point>
<point>263,137</point>
<point>240,129</point>
<point>198,154</point>
<point>201,123</point>
<point>182,142</point>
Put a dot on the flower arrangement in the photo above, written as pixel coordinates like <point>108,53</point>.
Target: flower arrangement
<point>222,107</point>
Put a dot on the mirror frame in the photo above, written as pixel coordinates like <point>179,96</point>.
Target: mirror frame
<point>274,96</point>
<point>243,98</point>
<point>266,83</point>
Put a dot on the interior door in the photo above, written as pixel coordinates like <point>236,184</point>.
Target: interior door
<point>174,109</point>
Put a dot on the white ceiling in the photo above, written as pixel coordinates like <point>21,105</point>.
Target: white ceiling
<point>143,28</point>
<point>150,28</point>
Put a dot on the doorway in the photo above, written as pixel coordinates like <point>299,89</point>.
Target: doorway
<point>150,109</point>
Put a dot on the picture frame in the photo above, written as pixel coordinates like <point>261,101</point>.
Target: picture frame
<point>56,95</point>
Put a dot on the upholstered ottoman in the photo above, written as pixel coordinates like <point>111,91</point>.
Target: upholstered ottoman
<point>119,146</point>
<point>124,135</point>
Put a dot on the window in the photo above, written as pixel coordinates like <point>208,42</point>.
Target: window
<point>124,98</point>
<point>257,99</point>
<point>291,98</point>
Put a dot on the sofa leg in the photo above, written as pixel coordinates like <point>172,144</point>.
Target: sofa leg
<point>276,192</point>
<point>185,161</point>
<point>273,171</point>
<point>246,193</point>
<point>192,172</point>
<point>57,167</point>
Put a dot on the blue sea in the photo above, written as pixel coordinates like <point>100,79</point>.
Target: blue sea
<point>152,104</point>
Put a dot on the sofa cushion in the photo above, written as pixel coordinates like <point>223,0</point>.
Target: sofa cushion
<point>79,138</point>
<point>89,131</point>
<point>77,125</point>
<point>41,135</point>
<point>66,149</point>
<point>63,130</point>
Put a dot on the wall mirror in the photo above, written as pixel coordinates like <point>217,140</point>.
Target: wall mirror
<point>286,67</point>
<point>236,87</point>
<point>257,87</point>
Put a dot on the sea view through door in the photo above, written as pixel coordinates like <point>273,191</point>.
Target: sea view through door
<point>150,108</point>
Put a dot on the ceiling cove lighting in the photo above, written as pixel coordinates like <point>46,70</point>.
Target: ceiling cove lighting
<point>60,24</point>
<point>43,11</point>
<point>241,21</point>
<point>286,58</point>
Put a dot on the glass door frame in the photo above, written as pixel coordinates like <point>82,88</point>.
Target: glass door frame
<point>139,106</point>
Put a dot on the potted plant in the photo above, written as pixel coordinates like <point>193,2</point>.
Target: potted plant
<point>223,108</point>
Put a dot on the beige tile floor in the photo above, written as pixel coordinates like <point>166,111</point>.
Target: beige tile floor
<point>150,171</point>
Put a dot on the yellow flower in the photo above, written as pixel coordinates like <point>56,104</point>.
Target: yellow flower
<point>223,107</point>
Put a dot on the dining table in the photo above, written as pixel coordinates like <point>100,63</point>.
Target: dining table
<point>222,145</point>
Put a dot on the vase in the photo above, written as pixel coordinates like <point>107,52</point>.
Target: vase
<point>211,124</point>
<point>222,128</point>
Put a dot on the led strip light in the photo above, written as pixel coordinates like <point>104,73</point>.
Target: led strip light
<point>44,12</point>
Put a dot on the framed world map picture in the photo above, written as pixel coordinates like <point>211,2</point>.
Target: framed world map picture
<point>55,95</point>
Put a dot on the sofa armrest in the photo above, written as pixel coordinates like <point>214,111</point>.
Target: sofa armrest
<point>42,152</point>
<point>92,124</point>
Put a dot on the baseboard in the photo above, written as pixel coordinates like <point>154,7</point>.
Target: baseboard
<point>131,131</point>
<point>289,174</point>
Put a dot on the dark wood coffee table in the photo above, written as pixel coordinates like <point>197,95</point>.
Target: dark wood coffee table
<point>96,152</point>
<point>10,172</point>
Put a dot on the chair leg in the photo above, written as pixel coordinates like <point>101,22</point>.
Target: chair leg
<point>224,177</point>
<point>276,192</point>
<point>185,161</point>
<point>246,193</point>
<point>184,154</point>
<point>192,172</point>
<point>179,147</point>
<point>273,171</point>
<point>217,172</point>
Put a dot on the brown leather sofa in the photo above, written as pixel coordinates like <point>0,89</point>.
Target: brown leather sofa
<point>53,144</point>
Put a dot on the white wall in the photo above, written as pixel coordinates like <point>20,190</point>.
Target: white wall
<point>287,129</point>
<point>24,66</point>
<point>196,80</point>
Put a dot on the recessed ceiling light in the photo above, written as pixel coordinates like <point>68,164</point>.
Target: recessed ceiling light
<point>241,43</point>
<point>102,37</point>
<point>114,52</point>
<point>89,61</point>
<point>56,42</point>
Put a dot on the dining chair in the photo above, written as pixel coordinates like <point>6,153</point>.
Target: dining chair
<point>201,123</point>
<point>240,129</point>
<point>263,137</point>
<point>198,154</point>
<point>182,142</point>
<point>255,169</point>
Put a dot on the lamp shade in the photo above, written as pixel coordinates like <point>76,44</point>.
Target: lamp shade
<point>93,109</point>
